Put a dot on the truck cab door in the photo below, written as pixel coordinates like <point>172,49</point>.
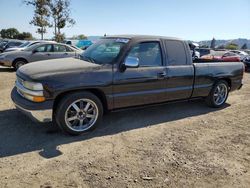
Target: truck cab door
<point>180,70</point>
<point>142,85</point>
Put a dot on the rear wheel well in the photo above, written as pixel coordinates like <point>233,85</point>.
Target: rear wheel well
<point>96,92</point>
<point>19,59</point>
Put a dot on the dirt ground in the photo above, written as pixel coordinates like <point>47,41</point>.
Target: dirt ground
<point>175,145</point>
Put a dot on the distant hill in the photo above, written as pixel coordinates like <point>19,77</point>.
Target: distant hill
<point>240,42</point>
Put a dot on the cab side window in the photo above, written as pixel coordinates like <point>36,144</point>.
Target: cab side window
<point>148,53</point>
<point>176,53</point>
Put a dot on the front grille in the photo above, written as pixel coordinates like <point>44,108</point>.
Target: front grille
<point>19,81</point>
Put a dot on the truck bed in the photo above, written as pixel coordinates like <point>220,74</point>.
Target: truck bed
<point>206,73</point>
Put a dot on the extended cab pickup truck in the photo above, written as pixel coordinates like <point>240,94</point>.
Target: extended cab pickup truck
<point>119,72</point>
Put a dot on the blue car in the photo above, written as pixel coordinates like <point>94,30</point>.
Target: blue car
<point>83,44</point>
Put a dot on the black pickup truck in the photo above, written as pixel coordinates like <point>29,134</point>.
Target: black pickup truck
<point>119,72</point>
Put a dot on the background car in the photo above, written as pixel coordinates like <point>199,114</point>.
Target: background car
<point>229,57</point>
<point>246,62</point>
<point>76,48</point>
<point>226,57</point>
<point>23,46</point>
<point>82,44</point>
<point>247,51</point>
<point>2,44</point>
<point>204,51</point>
<point>37,52</point>
<point>10,44</point>
<point>194,50</point>
<point>195,54</point>
<point>242,54</point>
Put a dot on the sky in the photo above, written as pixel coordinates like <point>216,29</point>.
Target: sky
<point>188,19</point>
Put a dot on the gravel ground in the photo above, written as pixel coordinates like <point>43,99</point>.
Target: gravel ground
<point>175,145</point>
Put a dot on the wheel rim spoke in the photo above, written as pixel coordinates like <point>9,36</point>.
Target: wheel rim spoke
<point>76,107</point>
<point>81,122</point>
<point>90,115</point>
<point>72,118</point>
<point>87,107</point>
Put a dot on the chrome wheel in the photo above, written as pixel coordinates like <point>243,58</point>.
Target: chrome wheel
<point>220,94</point>
<point>81,115</point>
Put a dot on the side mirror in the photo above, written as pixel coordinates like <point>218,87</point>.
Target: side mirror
<point>34,51</point>
<point>131,62</point>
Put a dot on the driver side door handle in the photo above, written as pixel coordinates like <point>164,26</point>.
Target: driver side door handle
<point>161,75</point>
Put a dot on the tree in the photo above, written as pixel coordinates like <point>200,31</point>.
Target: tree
<point>59,37</point>
<point>9,33</point>
<point>41,15</point>
<point>13,33</point>
<point>244,46</point>
<point>81,37</point>
<point>231,46</point>
<point>24,36</point>
<point>60,13</point>
<point>213,43</point>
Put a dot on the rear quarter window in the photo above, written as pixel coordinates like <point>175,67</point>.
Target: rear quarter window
<point>176,52</point>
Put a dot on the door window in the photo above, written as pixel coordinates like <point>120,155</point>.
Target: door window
<point>148,53</point>
<point>44,48</point>
<point>60,48</point>
<point>69,49</point>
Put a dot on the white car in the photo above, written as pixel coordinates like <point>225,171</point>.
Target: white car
<point>195,54</point>
<point>242,54</point>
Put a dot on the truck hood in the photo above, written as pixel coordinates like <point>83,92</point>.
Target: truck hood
<point>52,67</point>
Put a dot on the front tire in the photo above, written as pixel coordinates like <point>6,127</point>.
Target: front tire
<point>79,112</point>
<point>218,95</point>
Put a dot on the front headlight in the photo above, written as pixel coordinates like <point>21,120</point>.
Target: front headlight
<point>33,86</point>
<point>30,90</point>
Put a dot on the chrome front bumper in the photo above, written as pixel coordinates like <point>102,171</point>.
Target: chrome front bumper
<point>39,112</point>
<point>42,116</point>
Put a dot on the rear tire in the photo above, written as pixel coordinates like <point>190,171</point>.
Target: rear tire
<point>218,95</point>
<point>79,112</point>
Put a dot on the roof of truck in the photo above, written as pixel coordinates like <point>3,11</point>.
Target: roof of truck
<point>141,37</point>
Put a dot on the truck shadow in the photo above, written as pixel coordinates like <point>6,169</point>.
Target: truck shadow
<point>18,134</point>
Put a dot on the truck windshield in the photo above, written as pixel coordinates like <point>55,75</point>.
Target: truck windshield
<point>104,51</point>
